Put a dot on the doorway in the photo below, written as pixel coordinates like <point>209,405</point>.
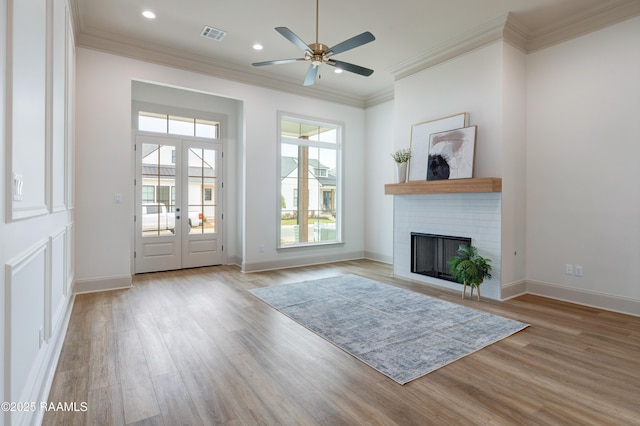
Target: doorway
<point>178,218</point>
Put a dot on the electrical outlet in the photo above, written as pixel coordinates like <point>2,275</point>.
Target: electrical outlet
<point>568,269</point>
<point>261,248</point>
<point>578,270</point>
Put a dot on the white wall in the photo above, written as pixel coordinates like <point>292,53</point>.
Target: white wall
<point>561,127</point>
<point>583,145</point>
<point>379,170</point>
<point>104,160</point>
<point>471,83</point>
<point>514,183</point>
<point>36,233</point>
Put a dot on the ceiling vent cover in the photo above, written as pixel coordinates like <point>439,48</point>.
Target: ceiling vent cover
<point>213,33</point>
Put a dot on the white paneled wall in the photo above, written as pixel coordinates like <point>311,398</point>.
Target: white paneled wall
<point>24,327</point>
<point>37,232</point>
<point>476,216</point>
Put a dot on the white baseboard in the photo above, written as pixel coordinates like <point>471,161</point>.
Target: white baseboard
<point>294,262</point>
<point>378,257</point>
<point>234,260</point>
<point>514,289</point>
<point>624,305</point>
<point>102,284</point>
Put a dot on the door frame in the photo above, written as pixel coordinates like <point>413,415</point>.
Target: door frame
<point>222,198</point>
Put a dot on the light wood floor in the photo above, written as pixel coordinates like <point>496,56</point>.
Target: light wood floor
<point>194,347</point>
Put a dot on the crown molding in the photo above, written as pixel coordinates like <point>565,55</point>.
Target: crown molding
<point>505,28</point>
<point>587,21</point>
<point>379,97</point>
<point>508,29</point>
<point>471,40</point>
<point>162,55</point>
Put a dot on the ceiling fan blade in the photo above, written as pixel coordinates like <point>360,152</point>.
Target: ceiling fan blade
<point>292,37</point>
<point>351,43</point>
<point>312,73</point>
<point>350,67</point>
<point>277,62</point>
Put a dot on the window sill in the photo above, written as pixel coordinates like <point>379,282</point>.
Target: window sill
<point>305,246</point>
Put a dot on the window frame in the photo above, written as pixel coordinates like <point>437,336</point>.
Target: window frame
<point>338,146</point>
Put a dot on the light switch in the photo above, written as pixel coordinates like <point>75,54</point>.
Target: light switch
<point>117,198</point>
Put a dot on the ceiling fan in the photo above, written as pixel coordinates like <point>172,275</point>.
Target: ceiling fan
<point>318,53</point>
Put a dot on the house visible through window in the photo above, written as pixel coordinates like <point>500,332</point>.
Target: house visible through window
<point>148,194</point>
<point>310,153</point>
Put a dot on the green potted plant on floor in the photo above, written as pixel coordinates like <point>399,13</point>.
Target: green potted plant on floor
<point>469,268</point>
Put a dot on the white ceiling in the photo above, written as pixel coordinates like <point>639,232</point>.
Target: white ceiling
<point>410,34</point>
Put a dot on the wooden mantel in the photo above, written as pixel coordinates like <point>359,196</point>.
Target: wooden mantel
<point>444,186</point>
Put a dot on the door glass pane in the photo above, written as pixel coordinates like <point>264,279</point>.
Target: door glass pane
<point>209,221</point>
<point>202,190</point>
<point>158,190</point>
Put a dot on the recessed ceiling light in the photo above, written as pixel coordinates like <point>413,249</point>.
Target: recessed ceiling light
<point>149,14</point>
<point>338,71</point>
<point>257,46</point>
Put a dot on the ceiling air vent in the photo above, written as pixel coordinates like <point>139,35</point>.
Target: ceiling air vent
<point>213,33</point>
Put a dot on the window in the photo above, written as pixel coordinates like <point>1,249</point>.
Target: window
<point>148,194</point>
<point>321,172</point>
<point>176,125</point>
<point>310,154</point>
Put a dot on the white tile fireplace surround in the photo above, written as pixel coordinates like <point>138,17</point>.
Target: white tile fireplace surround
<point>472,215</point>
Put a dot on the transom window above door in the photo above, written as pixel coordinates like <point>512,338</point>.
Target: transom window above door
<point>177,125</point>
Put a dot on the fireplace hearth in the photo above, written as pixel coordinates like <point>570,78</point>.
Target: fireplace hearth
<point>430,253</point>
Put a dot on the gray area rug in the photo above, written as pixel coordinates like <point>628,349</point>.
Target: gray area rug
<point>400,333</point>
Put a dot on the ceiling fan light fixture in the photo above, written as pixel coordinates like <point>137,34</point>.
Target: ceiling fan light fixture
<point>318,53</point>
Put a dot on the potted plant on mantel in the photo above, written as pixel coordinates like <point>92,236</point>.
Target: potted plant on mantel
<point>469,268</point>
<point>401,157</point>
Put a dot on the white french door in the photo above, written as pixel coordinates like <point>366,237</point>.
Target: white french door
<point>178,220</point>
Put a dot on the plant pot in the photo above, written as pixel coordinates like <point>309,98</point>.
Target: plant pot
<point>401,172</point>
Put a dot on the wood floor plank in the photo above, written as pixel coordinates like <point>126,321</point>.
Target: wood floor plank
<point>175,403</point>
<point>157,355</point>
<point>194,347</point>
<point>103,357</point>
<point>105,406</point>
<point>212,403</point>
<point>70,386</point>
<point>138,392</point>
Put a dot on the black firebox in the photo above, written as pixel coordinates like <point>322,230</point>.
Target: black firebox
<point>430,253</point>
